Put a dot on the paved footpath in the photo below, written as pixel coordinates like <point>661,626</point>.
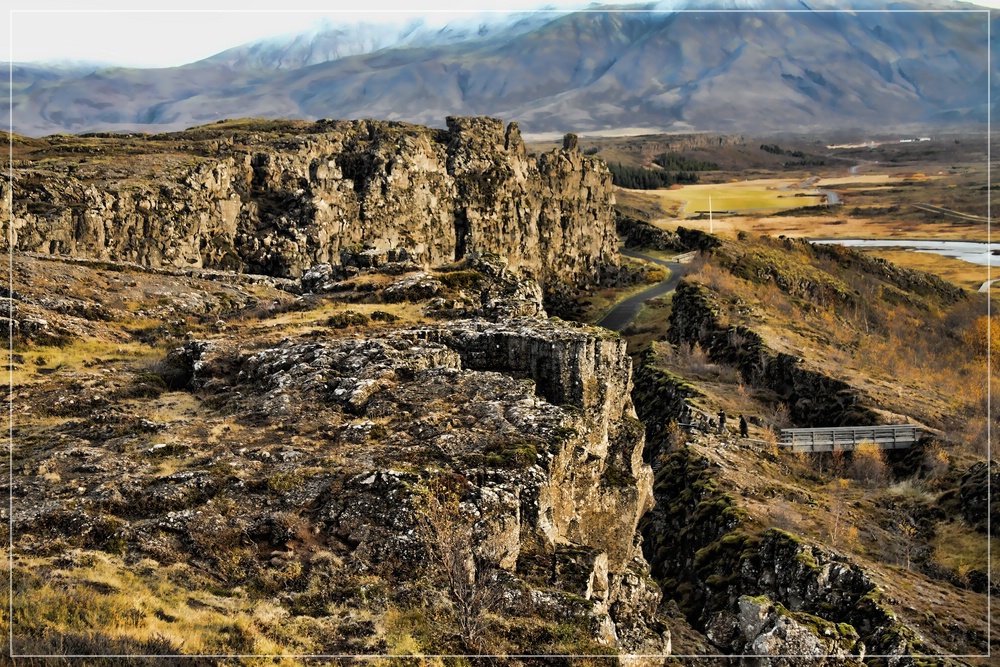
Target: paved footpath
<point>622,314</point>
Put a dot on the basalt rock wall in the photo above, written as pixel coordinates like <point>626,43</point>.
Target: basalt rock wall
<point>814,399</point>
<point>530,422</point>
<point>278,200</point>
<point>751,591</point>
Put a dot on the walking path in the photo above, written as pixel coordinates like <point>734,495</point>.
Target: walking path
<point>622,314</point>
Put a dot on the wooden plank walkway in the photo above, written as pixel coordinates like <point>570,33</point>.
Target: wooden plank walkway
<point>848,437</point>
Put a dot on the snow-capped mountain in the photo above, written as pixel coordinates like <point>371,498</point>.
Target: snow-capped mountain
<point>657,65</point>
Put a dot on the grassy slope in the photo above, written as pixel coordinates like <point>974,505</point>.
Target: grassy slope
<point>906,351</point>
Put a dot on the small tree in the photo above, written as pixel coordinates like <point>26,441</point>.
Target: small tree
<point>837,522</point>
<point>908,532</point>
<point>468,575</point>
<point>936,460</point>
<point>868,464</point>
<point>676,436</point>
<point>837,462</point>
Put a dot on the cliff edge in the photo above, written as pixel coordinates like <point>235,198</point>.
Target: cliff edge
<point>280,197</point>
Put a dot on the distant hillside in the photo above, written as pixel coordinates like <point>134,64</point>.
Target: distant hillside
<point>583,71</point>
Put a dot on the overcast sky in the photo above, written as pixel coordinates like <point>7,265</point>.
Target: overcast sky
<point>119,35</point>
<point>152,38</point>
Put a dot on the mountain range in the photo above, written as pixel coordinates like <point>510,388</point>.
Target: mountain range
<point>671,66</point>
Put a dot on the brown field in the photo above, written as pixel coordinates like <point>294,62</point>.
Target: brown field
<point>875,180</point>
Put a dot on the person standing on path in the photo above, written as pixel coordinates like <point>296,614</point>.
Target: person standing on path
<point>743,427</point>
<point>722,421</point>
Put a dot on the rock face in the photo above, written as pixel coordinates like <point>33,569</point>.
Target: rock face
<point>287,197</point>
<point>529,422</point>
<point>813,398</point>
<point>708,557</point>
<point>974,497</point>
<point>762,628</point>
<point>705,557</point>
<point>641,234</point>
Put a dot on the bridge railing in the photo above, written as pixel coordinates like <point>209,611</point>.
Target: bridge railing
<point>684,257</point>
<point>847,438</point>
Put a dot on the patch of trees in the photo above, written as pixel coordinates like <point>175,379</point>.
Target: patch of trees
<point>675,162</point>
<point>778,150</point>
<point>638,178</point>
<point>870,211</point>
<point>806,163</point>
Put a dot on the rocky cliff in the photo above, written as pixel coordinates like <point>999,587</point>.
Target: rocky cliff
<point>812,397</point>
<point>462,486</point>
<point>278,198</point>
<point>529,424</point>
<point>751,590</point>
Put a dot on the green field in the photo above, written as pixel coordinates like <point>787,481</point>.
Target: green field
<point>737,196</point>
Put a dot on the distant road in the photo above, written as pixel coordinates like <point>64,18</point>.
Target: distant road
<point>855,167</point>
<point>947,211</point>
<point>621,315</point>
<point>832,198</point>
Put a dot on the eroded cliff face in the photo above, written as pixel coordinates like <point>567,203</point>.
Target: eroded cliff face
<point>527,423</point>
<point>751,590</point>
<point>376,478</point>
<point>535,423</point>
<point>285,197</point>
<point>812,397</point>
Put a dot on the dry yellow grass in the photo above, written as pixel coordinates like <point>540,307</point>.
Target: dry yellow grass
<point>960,549</point>
<point>40,361</point>
<point>101,594</point>
<point>954,271</point>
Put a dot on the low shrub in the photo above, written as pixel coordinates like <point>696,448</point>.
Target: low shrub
<point>348,318</point>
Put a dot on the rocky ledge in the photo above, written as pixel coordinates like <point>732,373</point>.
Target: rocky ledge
<point>281,197</point>
<point>508,453</point>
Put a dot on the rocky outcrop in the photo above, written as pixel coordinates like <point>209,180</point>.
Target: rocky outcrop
<point>641,234</point>
<point>481,286</point>
<point>814,399</point>
<point>661,398</point>
<point>708,556</point>
<point>528,423</point>
<point>974,498</point>
<point>762,628</point>
<point>684,142</point>
<point>908,280</point>
<point>288,197</point>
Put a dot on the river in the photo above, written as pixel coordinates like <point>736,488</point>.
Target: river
<point>968,251</point>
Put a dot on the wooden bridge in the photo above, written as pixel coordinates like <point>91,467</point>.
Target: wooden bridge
<point>847,438</point>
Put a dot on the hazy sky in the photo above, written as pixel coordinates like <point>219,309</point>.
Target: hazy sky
<point>153,38</point>
<point>163,39</point>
